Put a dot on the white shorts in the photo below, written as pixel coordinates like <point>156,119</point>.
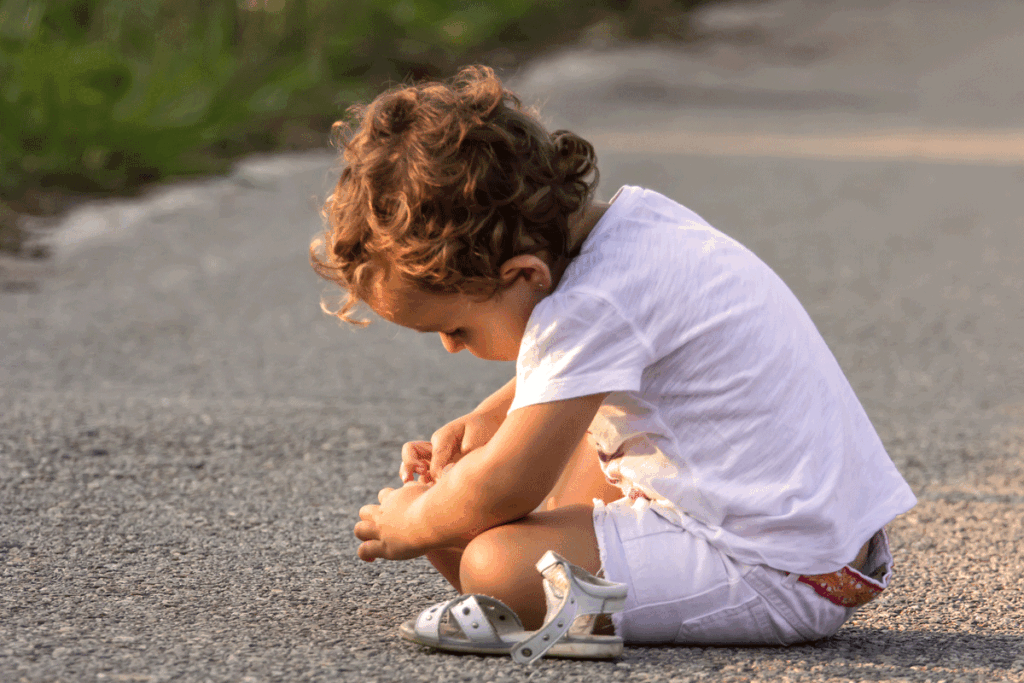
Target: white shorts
<point>683,590</point>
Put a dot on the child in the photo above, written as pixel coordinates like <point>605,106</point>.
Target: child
<point>675,422</point>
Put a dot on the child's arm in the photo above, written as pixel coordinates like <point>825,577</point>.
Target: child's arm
<point>500,401</point>
<point>501,481</point>
<point>460,436</point>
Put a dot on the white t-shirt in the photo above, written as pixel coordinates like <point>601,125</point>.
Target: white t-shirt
<point>728,411</point>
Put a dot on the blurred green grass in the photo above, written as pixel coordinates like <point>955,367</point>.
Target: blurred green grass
<point>106,96</point>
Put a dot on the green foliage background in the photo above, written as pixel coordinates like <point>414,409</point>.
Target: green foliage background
<point>106,95</point>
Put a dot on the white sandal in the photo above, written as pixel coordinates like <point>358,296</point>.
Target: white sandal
<point>482,625</point>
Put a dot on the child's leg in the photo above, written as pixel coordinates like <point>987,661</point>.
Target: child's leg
<point>580,482</point>
<point>501,561</point>
<point>446,561</point>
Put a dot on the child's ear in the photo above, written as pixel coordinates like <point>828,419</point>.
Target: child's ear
<point>529,267</point>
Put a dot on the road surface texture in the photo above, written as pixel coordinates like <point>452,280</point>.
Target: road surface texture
<point>185,439</point>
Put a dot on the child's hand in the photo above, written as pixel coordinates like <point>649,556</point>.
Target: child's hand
<point>431,459</point>
<point>382,528</point>
<point>416,461</point>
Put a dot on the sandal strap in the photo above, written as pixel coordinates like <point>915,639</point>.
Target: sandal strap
<point>571,592</point>
<point>480,618</point>
<point>428,623</point>
<point>555,626</point>
<point>473,621</point>
<point>593,595</point>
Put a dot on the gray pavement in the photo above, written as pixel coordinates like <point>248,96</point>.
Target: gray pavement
<point>185,439</point>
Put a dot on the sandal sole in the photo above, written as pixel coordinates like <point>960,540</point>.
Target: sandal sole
<point>597,647</point>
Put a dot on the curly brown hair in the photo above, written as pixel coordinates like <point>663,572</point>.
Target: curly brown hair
<point>444,182</point>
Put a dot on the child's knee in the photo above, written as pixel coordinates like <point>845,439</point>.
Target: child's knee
<point>490,562</point>
<point>482,554</point>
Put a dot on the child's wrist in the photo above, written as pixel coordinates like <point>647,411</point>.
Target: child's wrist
<point>425,532</point>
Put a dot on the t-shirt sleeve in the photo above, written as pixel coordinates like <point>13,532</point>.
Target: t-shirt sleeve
<point>577,344</point>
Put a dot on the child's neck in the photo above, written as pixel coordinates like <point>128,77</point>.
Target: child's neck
<point>584,223</point>
<point>580,226</point>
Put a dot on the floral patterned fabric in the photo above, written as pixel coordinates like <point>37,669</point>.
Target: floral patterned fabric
<point>846,587</point>
<point>851,588</point>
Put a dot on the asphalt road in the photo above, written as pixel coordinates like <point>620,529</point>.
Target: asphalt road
<point>185,439</point>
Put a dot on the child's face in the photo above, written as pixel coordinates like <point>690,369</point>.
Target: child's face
<point>491,329</point>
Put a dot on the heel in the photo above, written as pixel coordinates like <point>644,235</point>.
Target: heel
<point>572,594</point>
<point>613,605</point>
<point>589,594</point>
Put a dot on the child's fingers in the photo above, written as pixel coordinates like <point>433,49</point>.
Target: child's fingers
<point>410,478</point>
<point>424,477</point>
<point>384,493</point>
<point>415,460</point>
<point>407,472</point>
<point>368,513</point>
<point>370,550</point>
<point>444,444</point>
<point>365,530</point>
<point>416,450</point>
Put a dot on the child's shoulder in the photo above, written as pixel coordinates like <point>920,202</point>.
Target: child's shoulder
<point>650,253</point>
<point>643,232</point>
<point>653,206</point>
<point>627,255</point>
<point>642,218</point>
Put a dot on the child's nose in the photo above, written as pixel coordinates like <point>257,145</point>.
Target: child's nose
<point>450,345</point>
